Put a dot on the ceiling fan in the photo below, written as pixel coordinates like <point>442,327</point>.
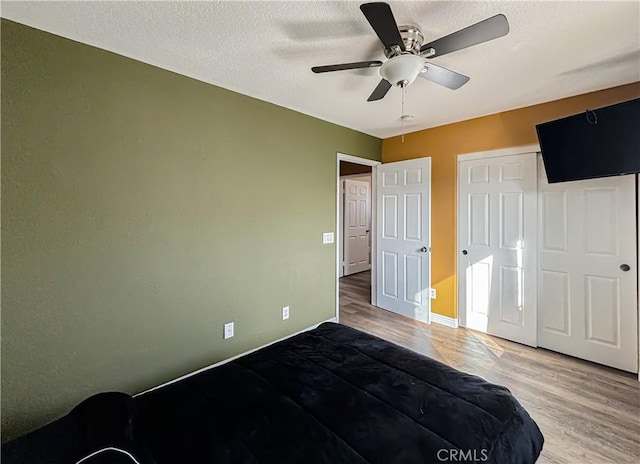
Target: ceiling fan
<point>407,56</point>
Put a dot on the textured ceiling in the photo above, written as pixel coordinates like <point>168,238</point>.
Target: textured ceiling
<point>266,50</point>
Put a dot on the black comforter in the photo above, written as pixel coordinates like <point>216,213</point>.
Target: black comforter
<point>333,395</point>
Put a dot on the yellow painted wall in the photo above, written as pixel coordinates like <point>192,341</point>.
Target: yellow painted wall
<point>444,143</point>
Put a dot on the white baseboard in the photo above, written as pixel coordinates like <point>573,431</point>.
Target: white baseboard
<point>225,361</point>
<point>333,319</point>
<point>444,320</point>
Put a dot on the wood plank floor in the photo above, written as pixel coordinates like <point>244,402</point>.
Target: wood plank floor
<point>588,413</point>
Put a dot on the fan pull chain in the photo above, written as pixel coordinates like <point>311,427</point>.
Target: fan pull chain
<point>403,89</point>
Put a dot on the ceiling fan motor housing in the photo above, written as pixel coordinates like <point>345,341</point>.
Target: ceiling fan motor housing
<point>412,38</point>
<point>403,67</point>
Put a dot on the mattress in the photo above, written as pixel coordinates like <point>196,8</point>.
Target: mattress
<point>330,395</point>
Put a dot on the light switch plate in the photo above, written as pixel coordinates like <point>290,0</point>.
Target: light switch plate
<point>228,330</point>
<point>285,313</point>
<point>327,237</point>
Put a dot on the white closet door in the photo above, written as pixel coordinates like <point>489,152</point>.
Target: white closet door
<point>497,246</point>
<point>587,302</point>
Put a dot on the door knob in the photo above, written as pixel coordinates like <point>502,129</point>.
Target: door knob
<point>465,252</point>
<point>625,267</point>
<point>424,249</point>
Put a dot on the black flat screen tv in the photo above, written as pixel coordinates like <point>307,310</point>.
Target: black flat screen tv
<point>597,143</point>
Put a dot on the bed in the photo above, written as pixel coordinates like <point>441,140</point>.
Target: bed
<point>329,395</point>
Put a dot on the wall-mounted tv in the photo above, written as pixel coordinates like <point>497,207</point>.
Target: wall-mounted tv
<point>597,143</point>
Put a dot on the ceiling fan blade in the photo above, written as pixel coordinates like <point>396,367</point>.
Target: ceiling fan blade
<point>383,23</point>
<point>380,91</point>
<point>444,76</point>
<point>489,29</point>
<point>345,66</point>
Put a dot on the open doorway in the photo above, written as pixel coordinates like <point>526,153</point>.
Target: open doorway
<point>355,237</point>
<point>398,244</point>
<point>355,219</point>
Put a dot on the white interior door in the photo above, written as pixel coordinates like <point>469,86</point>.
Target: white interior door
<point>497,246</point>
<point>403,195</point>
<point>587,303</point>
<point>356,226</point>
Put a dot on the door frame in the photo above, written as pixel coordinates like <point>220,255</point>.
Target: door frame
<point>519,150</point>
<point>339,233</point>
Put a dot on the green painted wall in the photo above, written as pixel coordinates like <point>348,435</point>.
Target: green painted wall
<point>140,211</point>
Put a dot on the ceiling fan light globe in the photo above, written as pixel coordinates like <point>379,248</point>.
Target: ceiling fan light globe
<point>402,70</point>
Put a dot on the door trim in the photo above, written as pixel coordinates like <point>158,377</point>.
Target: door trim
<point>511,151</point>
<point>519,150</point>
<point>373,164</point>
<point>638,260</point>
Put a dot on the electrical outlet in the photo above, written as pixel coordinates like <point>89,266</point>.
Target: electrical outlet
<point>327,237</point>
<point>285,313</point>
<point>432,293</point>
<point>228,330</point>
